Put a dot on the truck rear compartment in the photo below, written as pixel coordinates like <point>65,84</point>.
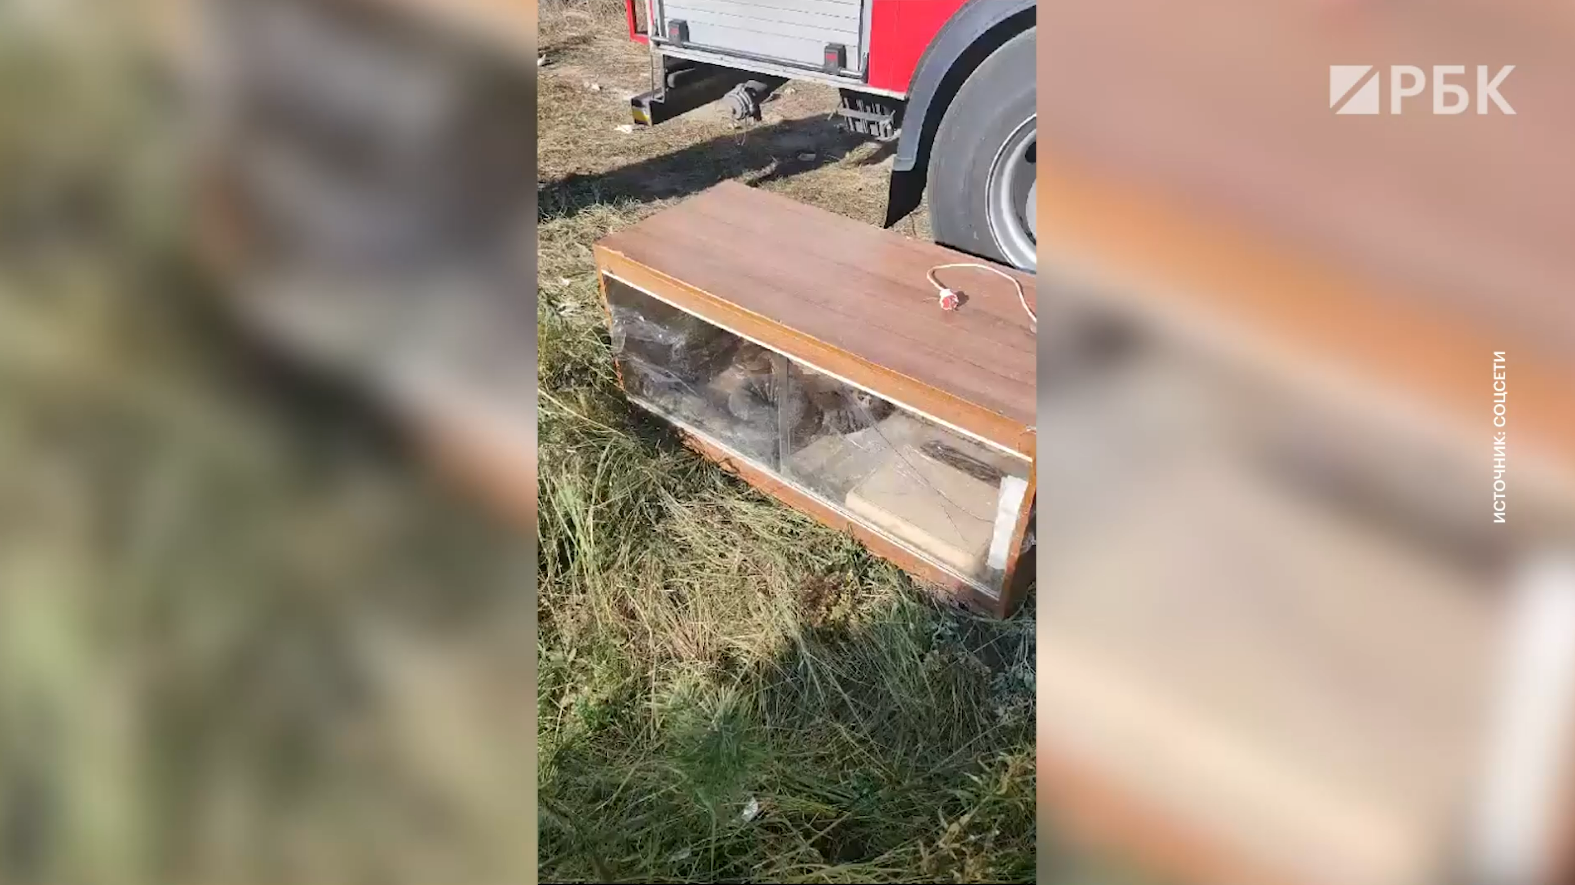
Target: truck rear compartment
<point>795,33</point>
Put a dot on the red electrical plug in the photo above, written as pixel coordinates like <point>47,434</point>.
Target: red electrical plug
<point>951,299</point>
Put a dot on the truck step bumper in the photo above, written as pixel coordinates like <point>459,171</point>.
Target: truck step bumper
<point>685,89</point>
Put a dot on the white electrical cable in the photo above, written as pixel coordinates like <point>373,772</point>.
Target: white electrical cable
<point>950,301</point>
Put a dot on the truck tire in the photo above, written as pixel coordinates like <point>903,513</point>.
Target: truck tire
<point>982,162</point>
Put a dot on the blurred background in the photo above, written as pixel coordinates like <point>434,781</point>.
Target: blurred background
<point>250,631</point>
<point>247,633</point>
<point>1283,635</point>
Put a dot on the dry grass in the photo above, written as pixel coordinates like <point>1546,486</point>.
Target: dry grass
<point>704,650</point>
<point>588,160</point>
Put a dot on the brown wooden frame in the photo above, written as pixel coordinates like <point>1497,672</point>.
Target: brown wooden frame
<point>947,407</point>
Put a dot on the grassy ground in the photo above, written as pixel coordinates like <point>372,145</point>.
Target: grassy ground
<point>727,690</point>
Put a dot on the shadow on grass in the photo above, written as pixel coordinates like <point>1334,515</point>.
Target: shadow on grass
<point>759,154</point>
<point>868,745</point>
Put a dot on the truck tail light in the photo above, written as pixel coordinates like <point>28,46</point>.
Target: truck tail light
<point>836,58</point>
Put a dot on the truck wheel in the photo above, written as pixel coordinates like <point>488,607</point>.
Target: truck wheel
<point>982,163</point>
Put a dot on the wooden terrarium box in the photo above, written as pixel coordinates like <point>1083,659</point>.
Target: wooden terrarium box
<point>808,354</point>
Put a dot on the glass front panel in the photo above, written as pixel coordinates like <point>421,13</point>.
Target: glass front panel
<point>689,371</point>
<point>936,491</point>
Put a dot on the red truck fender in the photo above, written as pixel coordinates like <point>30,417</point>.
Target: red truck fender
<point>962,44</point>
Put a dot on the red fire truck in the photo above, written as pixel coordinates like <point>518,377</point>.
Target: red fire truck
<point>951,82</point>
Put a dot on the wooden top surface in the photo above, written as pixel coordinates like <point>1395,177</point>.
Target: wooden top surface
<point>851,285</point>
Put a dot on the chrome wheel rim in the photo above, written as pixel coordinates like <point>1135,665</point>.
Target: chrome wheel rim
<point>1010,191</point>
